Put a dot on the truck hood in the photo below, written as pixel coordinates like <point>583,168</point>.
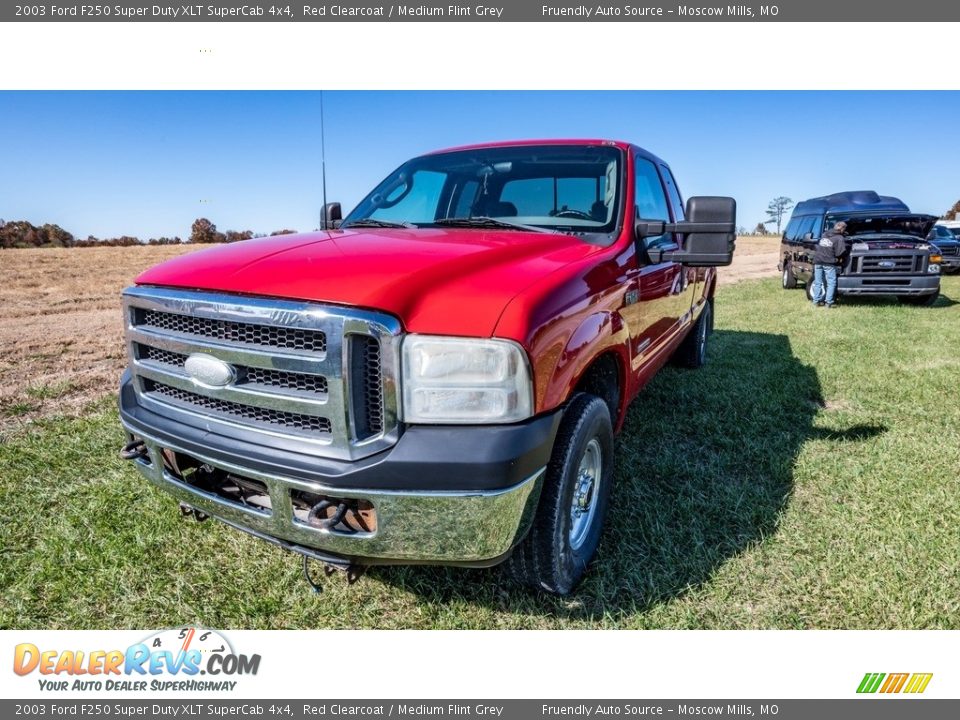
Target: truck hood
<point>443,281</point>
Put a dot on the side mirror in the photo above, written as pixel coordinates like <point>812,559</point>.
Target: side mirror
<point>332,215</point>
<point>708,235</point>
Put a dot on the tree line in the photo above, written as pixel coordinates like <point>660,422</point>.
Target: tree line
<point>22,234</point>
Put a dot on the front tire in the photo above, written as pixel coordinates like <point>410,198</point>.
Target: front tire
<point>788,279</point>
<point>573,502</point>
<point>692,352</point>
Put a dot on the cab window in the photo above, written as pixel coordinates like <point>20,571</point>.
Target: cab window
<point>651,201</point>
<point>806,226</point>
<point>817,228</point>
<point>790,234</point>
<point>676,202</point>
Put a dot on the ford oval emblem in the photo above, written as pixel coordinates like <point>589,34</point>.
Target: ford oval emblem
<point>886,263</point>
<point>206,370</point>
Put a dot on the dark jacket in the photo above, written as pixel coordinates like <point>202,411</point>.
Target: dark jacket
<point>830,249</point>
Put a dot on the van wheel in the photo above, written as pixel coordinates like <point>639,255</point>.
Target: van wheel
<point>788,279</point>
<point>924,300</point>
<point>573,502</point>
<point>692,352</point>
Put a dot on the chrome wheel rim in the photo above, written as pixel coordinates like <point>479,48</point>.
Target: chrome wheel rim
<point>583,509</point>
<point>785,271</point>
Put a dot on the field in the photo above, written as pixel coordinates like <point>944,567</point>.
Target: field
<point>806,478</point>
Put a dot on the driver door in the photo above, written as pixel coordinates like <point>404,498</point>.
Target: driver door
<point>657,294</point>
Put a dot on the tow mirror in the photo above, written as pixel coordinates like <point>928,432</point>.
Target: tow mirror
<point>707,237</point>
<point>332,215</point>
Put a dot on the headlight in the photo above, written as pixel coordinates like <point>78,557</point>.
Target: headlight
<point>460,381</point>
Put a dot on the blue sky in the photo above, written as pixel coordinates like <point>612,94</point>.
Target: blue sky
<point>149,163</point>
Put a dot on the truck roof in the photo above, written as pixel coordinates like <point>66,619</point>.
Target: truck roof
<point>851,201</point>
<point>553,141</point>
<point>623,145</point>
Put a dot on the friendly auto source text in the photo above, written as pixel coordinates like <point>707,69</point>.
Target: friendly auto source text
<point>633,11</point>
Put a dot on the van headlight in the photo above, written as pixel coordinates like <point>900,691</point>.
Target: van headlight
<point>450,380</point>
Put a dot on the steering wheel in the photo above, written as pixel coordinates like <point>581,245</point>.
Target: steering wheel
<point>574,214</point>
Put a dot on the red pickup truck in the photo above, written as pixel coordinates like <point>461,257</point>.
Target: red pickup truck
<point>437,377</point>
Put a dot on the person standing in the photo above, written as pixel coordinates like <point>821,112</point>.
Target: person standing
<point>827,259</point>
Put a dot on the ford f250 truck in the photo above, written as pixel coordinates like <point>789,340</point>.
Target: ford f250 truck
<point>437,377</point>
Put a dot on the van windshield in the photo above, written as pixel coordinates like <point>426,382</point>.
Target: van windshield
<point>565,188</point>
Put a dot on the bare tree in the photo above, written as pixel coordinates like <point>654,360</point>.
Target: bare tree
<point>776,209</point>
<point>760,229</point>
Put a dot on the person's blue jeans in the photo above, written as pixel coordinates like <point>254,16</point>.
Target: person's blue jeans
<point>824,274</point>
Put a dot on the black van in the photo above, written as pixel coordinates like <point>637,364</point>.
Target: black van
<point>887,248</point>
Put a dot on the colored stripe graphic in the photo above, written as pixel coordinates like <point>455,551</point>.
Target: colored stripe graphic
<point>918,683</point>
<point>894,683</point>
<point>870,682</point>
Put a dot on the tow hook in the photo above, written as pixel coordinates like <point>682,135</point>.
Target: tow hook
<point>187,511</point>
<point>134,450</point>
<point>353,573</point>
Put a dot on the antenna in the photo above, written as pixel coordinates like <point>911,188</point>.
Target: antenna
<point>323,169</point>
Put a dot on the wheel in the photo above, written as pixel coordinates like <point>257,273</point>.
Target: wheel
<point>808,288</point>
<point>924,300</point>
<point>573,502</point>
<point>788,279</point>
<point>692,352</point>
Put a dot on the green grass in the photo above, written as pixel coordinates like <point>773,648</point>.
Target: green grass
<point>806,478</point>
<point>50,391</point>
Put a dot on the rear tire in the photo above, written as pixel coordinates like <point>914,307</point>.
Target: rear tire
<point>692,352</point>
<point>573,502</point>
<point>788,279</point>
<point>922,300</point>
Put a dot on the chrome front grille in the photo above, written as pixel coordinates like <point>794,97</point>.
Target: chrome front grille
<point>246,375</point>
<point>295,421</point>
<point>235,332</point>
<point>317,372</point>
<point>907,263</point>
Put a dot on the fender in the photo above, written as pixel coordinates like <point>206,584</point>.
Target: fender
<point>598,333</point>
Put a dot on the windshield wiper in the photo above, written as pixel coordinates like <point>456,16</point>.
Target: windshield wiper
<point>488,222</point>
<point>371,223</point>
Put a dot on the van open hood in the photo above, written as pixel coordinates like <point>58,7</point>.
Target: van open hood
<point>906,227</point>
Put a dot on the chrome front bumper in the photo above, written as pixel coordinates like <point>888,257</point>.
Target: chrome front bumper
<point>457,527</point>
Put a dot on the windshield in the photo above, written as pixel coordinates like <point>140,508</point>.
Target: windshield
<point>939,231</point>
<point>566,188</point>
